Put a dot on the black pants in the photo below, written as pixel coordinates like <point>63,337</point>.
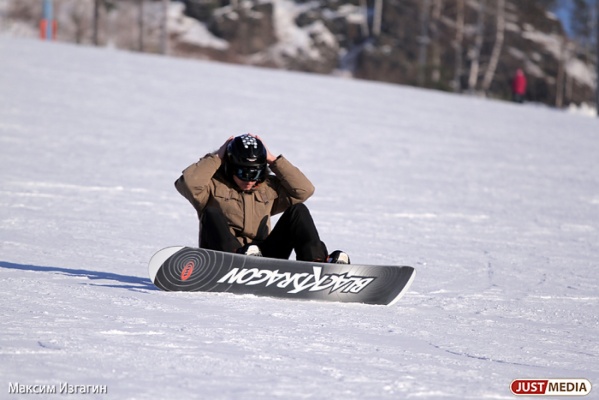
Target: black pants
<point>295,231</point>
<point>518,98</point>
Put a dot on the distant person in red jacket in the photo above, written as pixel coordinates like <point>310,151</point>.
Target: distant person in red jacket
<point>519,86</point>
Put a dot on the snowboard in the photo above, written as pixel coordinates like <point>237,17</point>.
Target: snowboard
<point>190,269</point>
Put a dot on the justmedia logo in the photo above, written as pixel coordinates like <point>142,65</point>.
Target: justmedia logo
<point>551,387</point>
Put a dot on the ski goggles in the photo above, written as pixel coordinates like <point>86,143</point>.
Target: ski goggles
<point>249,174</point>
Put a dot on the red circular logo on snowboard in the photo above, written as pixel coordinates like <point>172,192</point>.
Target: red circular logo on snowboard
<point>187,270</point>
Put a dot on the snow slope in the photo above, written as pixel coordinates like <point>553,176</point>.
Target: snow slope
<point>495,204</point>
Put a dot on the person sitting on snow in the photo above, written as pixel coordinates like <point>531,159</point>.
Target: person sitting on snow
<point>237,188</point>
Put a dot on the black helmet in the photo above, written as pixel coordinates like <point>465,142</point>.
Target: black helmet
<point>246,158</point>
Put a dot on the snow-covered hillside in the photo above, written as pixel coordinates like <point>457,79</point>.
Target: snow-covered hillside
<point>495,204</point>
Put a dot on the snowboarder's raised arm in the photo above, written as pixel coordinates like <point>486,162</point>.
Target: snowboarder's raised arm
<point>194,183</point>
<point>293,181</point>
<point>296,186</point>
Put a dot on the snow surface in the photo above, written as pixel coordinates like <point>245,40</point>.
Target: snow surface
<point>495,204</point>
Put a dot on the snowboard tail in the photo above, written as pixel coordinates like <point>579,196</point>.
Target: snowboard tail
<point>192,269</point>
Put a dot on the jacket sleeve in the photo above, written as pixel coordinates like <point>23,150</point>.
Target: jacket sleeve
<point>195,183</point>
<point>294,186</point>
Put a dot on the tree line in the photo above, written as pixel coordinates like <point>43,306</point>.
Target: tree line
<point>474,65</point>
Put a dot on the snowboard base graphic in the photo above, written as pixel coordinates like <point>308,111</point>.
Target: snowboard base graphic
<point>192,269</point>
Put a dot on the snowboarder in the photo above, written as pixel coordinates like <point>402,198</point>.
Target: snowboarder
<point>518,86</point>
<point>237,188</point>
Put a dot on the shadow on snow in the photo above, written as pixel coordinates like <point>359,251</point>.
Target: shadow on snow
<point>127,282</point>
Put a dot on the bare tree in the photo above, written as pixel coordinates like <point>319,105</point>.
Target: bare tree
<point>476,49</point>
<point>459,39</point>
<point>164,38</point>
<point>140,22</point>
<point>561,72</point>
<point>488,79</point>
<point>378,17</point>
<point>78,13</point>
<point>434,38</point>
<point>423,40</point>
<point>364,8</point>
<point>597,55</point>
<point>96,21</point>
<point>107,5</point>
